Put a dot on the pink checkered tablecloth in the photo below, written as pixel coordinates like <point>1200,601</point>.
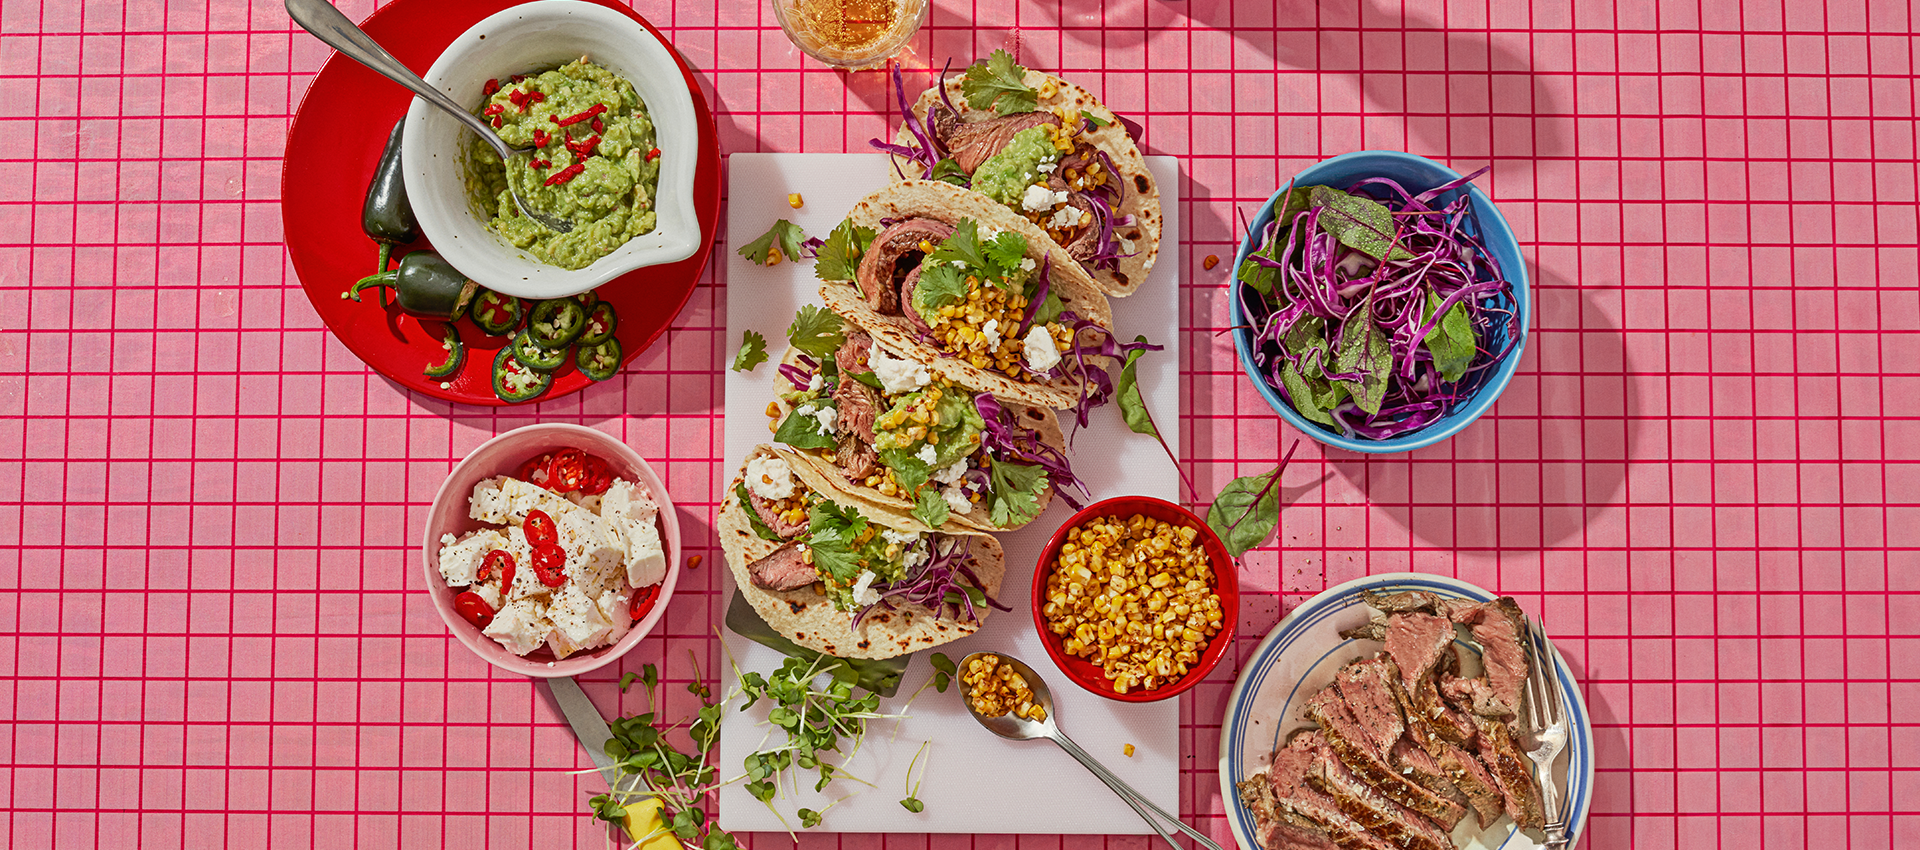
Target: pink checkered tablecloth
<point>1704,475</point>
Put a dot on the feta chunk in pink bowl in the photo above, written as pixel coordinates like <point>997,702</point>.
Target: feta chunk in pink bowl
<point>453,514</point>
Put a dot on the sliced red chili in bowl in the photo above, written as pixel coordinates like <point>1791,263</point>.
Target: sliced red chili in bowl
<point>499,563</point>
<point>550,565</point>
<point>540,528</point>
<point>568,469</point>
<point>599,477</point>
<point>474,609</point>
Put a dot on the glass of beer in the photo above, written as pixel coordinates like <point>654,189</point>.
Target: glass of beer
<point>850,34</point>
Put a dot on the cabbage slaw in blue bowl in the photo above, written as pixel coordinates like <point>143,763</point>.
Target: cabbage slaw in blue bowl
<point>1417,174</point>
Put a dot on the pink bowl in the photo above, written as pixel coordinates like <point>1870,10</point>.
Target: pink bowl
<point>503,455</point>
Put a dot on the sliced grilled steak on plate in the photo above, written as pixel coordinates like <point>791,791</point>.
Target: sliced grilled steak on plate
<point>1364,802</point>
<point>1351,742</point>
<point>1363,684</point>
<point>1293,794</point>
<point>1508,766</point>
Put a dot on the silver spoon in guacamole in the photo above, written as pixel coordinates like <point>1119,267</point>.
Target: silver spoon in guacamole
<point>329,25</point>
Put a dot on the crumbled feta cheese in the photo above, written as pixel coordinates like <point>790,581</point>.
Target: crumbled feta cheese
<point>1066,217</point>
<point>1037,198</point>
<point>987,233</point>
<point>952,473</point>
<point>897,374</point>
<point>1047,167</point>
<point>903,538</point>
<point>460,559</point>
<point>646,560</point>
<point>827,417</point>
<point>815,383</point>
<point>520,626</point>
<point>1027,264</point>
<point>991,332</point>
<point>957,500</point>
<point>1041,355</point>
<point>926,455</point>
<point>863,592</point>
<point>914,558</point>
<point>577,622</point>
<point>1126,245</point>
<point>769,476</point>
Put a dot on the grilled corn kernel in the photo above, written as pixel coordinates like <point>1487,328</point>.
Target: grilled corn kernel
<point>793,200</point>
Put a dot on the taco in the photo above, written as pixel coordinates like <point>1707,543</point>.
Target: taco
<point>981,295</point>
<point>837,575</point>
<point>926,447</point>
<point>1045,149</point>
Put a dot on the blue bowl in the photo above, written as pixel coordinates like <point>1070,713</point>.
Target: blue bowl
<point>1417,174</point>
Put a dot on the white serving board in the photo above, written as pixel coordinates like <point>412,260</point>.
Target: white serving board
<point>974,782</point>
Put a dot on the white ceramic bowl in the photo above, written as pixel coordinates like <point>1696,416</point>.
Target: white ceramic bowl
<point>537,36</point>
<point>503,455</point>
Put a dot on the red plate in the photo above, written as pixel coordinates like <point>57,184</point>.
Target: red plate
<point>331,151</point>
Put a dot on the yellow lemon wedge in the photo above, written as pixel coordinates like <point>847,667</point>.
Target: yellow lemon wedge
<point>643,817</point>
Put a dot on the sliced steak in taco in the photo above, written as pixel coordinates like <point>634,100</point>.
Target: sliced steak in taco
<point>1045,149</point>
<point>835,574</point>
<point>935,450</point>
<point>968,290</point>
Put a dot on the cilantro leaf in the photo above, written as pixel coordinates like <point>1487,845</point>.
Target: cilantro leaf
<point>817,331</point>
<point>998,83</point>
<point>962,247</point>
<point>839,257</point>
<point>1016,492</point>
<point>1005,251</point>
<point>932,509</point>
<point>788,234</point>
<point>1093,119</point>
<point>753,352</point>
<point>831,531</point>
<point>802,431</point>
<point>937,286</point>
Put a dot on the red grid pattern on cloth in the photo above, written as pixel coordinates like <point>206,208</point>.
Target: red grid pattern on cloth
<point>1703,476</point>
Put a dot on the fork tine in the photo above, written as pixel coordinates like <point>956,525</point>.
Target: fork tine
<point>1552,712</point>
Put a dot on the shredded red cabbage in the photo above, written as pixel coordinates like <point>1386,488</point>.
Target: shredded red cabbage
<point>1320,277</point>
<point>1011,442</point>
<point>1090,340</point>
<point>931,583</point>
<point>1039,298</point>
<point>930,152</point>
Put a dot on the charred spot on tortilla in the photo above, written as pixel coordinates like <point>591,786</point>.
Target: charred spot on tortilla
<point>1140,182</point>
<point>796,605</point>
<point>865,644</point>
<point>1120,278</point>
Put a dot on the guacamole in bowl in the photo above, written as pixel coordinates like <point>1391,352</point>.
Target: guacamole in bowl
<point>595,161</point>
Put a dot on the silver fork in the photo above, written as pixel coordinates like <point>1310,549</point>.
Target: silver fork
<point>1547,734</point>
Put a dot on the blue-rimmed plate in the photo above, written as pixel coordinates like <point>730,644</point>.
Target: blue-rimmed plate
<point>1301,655</point>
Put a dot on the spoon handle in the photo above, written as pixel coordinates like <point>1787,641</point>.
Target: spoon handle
<point>1133,798</point>
<point>329,25</point>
